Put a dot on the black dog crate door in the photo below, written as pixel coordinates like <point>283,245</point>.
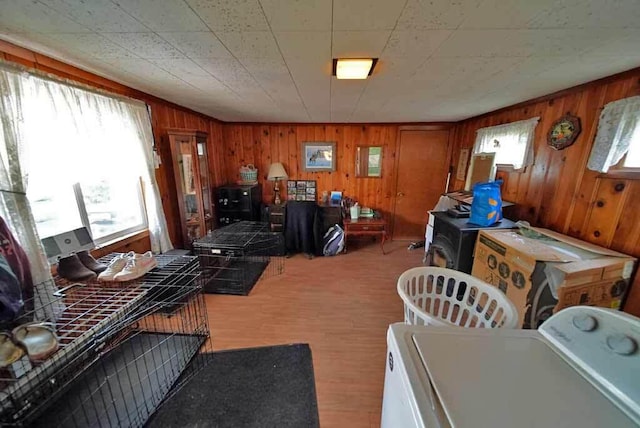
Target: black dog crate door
<point>233,258</point>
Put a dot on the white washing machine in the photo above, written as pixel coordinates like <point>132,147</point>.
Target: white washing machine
<point>580,369</point>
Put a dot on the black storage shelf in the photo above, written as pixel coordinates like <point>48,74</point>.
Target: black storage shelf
<point>236,203</point>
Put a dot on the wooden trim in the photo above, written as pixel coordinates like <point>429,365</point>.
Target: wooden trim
<point>630,174</point>
<point>437,126</point>
<point>417,125</point>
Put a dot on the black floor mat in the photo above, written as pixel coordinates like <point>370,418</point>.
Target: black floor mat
<point>259,387</point>
<point>125,386</point>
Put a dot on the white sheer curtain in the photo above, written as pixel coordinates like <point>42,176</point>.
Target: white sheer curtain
<point>512,143</point>
<point>14,206</point>
<point>619,121</point>
<point>72,133</point>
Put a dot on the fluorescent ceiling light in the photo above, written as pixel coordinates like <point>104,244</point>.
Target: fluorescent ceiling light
<point>352,68</point>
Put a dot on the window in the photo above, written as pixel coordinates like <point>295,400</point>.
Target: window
<point>84,164</point>
<point>617,142</point>
<point>109,208</point>
<point>512,143</point>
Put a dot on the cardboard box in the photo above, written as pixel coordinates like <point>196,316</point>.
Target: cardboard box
<point>544,271</point>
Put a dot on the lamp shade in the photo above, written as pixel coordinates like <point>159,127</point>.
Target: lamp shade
<point>277,172</point>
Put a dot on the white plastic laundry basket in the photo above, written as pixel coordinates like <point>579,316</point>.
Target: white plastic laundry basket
<point>444,297</point>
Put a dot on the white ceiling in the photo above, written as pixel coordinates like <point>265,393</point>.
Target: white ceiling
<point>270,60</point>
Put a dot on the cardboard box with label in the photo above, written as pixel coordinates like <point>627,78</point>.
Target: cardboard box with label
<point>542,271</point>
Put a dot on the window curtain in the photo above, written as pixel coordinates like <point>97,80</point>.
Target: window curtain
<point>158,230</point>
<point>514,142</point>
<point>618,121</point>
<point>14,205</point>
<point>72,133</point>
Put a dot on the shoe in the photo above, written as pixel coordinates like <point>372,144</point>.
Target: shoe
<point>115,266</point>
<point>39,339</point>
<point>10,352</point>
<point>71,268</point>
<point>136,267</point>
<point>90,263</point>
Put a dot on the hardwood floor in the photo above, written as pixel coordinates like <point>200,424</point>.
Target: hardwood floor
<point>341,306</point>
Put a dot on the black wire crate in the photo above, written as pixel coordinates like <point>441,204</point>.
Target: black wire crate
<point>121,348</point>
<point>233,258</point>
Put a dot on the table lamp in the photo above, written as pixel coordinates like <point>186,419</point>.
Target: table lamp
<point>276,172</point>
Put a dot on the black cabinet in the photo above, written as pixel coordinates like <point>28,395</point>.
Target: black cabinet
<point>237,203</point>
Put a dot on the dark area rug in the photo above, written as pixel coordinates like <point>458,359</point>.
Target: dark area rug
<point>258,387</point>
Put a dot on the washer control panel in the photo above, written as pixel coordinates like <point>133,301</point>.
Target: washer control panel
<point>604,344</point>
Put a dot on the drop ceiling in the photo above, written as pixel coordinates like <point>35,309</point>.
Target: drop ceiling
<point>270,60</point>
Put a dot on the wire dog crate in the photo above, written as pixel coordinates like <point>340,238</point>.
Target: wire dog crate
<point>233,258</point>
<point>122,348</point>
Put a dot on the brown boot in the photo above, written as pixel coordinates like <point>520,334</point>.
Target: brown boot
<point>90,263</point>
<point>71,268</point>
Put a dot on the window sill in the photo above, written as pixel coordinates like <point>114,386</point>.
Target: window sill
<point>621,174</point>
<point>111,246</point>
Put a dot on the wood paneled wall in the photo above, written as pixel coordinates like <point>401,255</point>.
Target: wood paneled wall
<point>262,144</point>
<point>558,191</point>
<point>164,115</point>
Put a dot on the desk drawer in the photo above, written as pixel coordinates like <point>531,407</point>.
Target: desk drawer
<point>365,227</point>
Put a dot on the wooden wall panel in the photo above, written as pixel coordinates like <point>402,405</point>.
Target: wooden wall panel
<point>263,144</point>
<point>164,115</point>
<point>558,191</point>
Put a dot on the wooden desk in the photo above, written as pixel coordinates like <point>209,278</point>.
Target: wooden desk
<point>365,226</point>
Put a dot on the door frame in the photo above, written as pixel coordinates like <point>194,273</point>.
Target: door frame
<point>396,166</point>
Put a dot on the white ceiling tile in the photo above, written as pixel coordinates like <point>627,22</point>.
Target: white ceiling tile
<point>444,60</point>
<point>266,70</point>
<point>522,43</point>
<point>145,45</point>
<point>304,45</point>
<point>436,14</point>
<point>231,15</point>
<point>344,98</point>
<point>299,15</point>
<point>91,44</point>
<point>359,44</point>
<point>250,44</point>
<point>419,44</point>
<point>100,16</point>
<point>182,68</point>
<point>166,15</point>
<point>201,44</point>
<point>31,16</point>
<point>589,14</point>
<point>497,14</point>
<point>364,15</point>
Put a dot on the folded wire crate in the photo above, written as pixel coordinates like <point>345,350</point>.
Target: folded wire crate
<point>122,348</point>
<point>233,258</point>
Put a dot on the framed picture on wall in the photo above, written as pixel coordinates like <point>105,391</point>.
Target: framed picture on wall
<point>318,156</point>
<point>301,190</point>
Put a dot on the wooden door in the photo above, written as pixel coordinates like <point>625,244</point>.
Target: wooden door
<point>423,164</point>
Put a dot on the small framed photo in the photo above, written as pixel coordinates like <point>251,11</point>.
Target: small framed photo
<point>291,184</point>
<point>311,183</point>
<point>310,197</point>
<point>300,197</point>
<point>311,190</point>
<point>318,156</point>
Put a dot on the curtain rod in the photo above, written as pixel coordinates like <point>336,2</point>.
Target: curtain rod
<point>15,67</point>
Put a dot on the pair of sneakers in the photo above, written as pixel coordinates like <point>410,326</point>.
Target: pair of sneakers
<point>127,267</point>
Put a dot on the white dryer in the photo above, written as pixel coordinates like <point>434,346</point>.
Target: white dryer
<point>580,369</point>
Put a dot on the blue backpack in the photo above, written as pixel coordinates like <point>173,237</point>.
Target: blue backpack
<point>333,241</point>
